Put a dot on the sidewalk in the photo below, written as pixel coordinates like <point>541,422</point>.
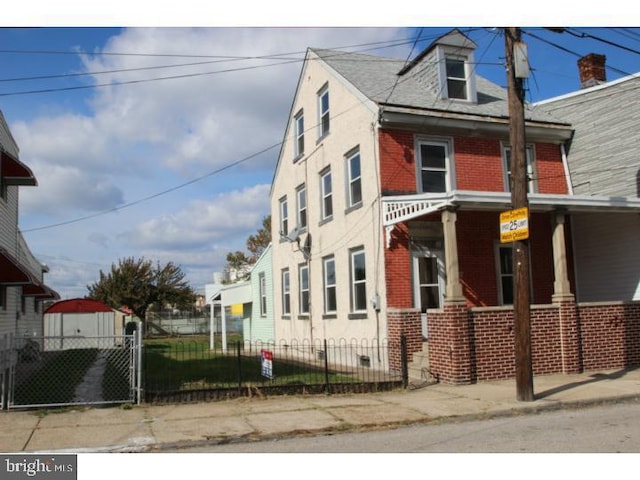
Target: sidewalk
<point>157,427</point>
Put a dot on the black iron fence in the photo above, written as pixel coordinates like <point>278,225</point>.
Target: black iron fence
<point>192,369</point>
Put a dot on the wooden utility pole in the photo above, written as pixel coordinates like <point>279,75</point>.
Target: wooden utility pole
<point>519,183</point>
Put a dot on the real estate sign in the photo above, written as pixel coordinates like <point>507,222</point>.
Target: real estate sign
<point>267,363</point>
<point>514,225</point>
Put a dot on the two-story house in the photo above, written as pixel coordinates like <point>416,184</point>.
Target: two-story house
<point>22,287</point>
<point>386,204</point>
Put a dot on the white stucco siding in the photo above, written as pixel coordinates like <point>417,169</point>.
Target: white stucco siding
<point>607,256</point>
<point>352,127</point>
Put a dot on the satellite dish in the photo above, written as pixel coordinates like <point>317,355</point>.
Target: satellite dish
<point>306,247</point>
<point>293,235</point>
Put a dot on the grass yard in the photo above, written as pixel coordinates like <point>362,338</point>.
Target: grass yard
<point>183,364</point>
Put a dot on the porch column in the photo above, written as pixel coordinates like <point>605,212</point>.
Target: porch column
<point>561,287</point>
<point>453,289</point>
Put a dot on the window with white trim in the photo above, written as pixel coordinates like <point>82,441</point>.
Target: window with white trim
<point>530,161</point>
<point>284,216</point>
<point>434,166</point>
<point>323,111</point>
<point>262,282</point>
<point>326,191</point>
<point>286,292</point>
<point>301,197</point>
<point>358,274</point>
<point>354,178</point>
<point>299,134</point>
<point>303,283</point>
<point>329,280</point>
<point>456,77</point>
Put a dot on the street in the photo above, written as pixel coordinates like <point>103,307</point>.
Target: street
<point>607,429</point>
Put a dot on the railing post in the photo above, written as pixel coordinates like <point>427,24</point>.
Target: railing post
<point>239,366</point>
<point>404,361</point>
<point>326,367</point>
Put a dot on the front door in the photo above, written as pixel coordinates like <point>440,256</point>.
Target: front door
<point>428,282</point>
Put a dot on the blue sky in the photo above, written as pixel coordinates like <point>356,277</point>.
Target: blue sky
<point>101,149</point>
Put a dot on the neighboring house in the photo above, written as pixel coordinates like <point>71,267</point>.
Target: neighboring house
<point>386,203</point>
<point>22,287</point>
<point>259,329</point>
<point>603,158</point>
<point>81,323</point>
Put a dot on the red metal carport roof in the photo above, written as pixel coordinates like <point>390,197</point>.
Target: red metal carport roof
<point>78,305</point>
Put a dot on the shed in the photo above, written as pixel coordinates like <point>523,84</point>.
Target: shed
<point>79,323</point>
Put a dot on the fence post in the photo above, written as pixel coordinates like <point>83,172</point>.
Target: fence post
<point>139,346</point>
<point>404,361</point>
<point>326,367</point>
<point>239,367</point>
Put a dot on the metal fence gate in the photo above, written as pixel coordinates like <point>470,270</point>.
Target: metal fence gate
<point>60,371</point>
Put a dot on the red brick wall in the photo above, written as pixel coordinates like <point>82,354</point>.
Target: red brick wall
<point>586,338</point>
<point>478,164</point>
<point>403,322</point>
<point>610,335</point>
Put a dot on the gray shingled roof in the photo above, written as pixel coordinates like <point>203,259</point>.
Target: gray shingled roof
<point>376,76</point>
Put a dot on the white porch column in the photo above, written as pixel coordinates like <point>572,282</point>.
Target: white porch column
<point>561,286</point>
<point>453,289</point>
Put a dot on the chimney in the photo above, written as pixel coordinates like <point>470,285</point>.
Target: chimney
<point>592,70</point>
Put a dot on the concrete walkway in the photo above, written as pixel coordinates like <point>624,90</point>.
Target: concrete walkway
<point>156,427</point>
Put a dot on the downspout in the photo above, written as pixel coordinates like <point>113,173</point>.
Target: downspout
<point>565,165</point>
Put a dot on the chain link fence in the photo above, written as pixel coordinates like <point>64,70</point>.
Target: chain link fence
<point>57,371</point>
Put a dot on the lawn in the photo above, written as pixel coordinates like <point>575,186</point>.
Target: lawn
<point>183,364</point>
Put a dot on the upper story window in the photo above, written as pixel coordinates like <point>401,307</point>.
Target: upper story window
<point>326,191</point>
<point>457,77</point>
<point>323,111</point>
<point>301,196</point>
<point>530,160</point>
<point>434,166</point>
<point>299,133</point>
<point>354,178</point>
<point>284,216</point>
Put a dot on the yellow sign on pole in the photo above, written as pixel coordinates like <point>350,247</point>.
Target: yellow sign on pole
<point>514,225</point>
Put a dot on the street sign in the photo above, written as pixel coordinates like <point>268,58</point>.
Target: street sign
<point>514,225</point>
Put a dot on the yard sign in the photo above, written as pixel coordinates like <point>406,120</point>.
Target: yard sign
<point>514,225</point>
<point>267,363</point>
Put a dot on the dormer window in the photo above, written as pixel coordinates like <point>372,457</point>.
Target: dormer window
<point>456,78</point>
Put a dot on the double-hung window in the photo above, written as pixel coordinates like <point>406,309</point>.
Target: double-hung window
<point>299,134</point>
<point>303,282</point>
<point>301,197</point>
<point>326,191</point>
<point>456,78</point>
<point>358,275</point>
<point>286,292</point>
<point>262,285</point>
<point>284,216</point>
<point>323,111</point>
<point>329,280</point>
<point>529,158</point>
<point>434,166</point>
<point>354,178</point>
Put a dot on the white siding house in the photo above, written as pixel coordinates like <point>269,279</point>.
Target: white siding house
<point>259,328</point>
<point>22,287</point>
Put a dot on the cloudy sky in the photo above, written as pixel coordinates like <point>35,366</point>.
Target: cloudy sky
<point>161,142</point>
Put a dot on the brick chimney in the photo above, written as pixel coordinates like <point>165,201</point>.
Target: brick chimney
<point>592,70</point>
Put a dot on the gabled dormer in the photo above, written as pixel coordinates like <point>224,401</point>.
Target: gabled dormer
<point>447,68</point>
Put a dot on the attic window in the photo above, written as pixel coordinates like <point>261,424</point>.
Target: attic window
<point>456,78</point>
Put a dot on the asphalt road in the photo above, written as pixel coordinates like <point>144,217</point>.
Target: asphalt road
<point>605,429</point>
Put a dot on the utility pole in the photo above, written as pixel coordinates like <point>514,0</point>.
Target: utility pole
<point>519,183</point>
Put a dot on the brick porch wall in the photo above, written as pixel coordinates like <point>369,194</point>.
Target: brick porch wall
<point>403,322</point>
<point>477,344</point>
